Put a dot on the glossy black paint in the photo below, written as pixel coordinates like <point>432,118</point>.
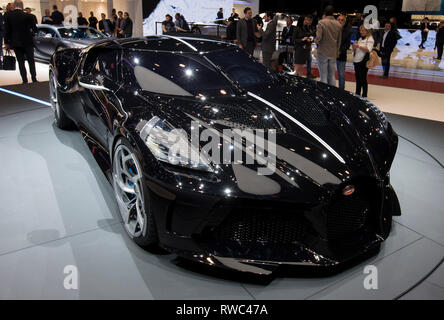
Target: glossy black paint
<point>193,212</point>
<point>49,39</point>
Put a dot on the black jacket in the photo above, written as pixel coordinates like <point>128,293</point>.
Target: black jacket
<point>19,29</point>
<point>127,27</point>
<point>102,25</point>
<point>345,43</point>
<point>2,28</point>
<point>287,33</point>
<point>440,36</point>
<point>57,18</point>
<point>390,43</point>
<point>231,31</point>
<point>93,22</point>
<point>81,21</point>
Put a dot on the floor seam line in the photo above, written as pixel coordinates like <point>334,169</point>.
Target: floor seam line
<point>424,236</point>
<point>358,271</point>
<point>19,112</point>
<point>251,295</point>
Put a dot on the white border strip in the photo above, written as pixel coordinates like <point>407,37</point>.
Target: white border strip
<point>24,96</point>
<point>314,135</point>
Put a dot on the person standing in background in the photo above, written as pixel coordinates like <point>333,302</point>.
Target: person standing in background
<point>269,38</point>
<point>302,38</point>
<point>29,11</point>
<point>106,26</point>
<point>81,21</point>
<point>341,62</point>
<point>46,19</point>
<point>312,30</point>
<point>234,15</point>
<point>440,39</point>
<point>19,36</point>
<point>231,29</point>
<point>424,32</point>
<point>57,17</point>
<point>328,39</point>
<point>361,52</point>
<point>246,32</point>
<point>387,45</point>
<point>92,20</point>
<point>119,22</point>
<point>168,24</point>
<point>114,22</point>
<point>126,26</point>
<point>220,15</point>
<point>181,24</point>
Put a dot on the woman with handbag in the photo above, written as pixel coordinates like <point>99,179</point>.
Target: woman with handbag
<point>361,54</point>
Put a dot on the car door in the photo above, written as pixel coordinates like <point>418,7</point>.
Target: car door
<point>100,81</point>
<point>45,41</point>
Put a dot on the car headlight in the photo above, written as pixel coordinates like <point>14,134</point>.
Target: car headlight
<point>171,145</point>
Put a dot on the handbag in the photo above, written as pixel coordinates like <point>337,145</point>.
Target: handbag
<point>373,60</point>
<point>9,62</point>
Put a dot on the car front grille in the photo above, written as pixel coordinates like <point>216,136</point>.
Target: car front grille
<point>263,227</point>
<point>348,214</point>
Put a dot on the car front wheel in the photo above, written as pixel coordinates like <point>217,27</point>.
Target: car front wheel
<point>133,196</point>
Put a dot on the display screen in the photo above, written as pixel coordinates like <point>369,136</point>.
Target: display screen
<point>193,10</point>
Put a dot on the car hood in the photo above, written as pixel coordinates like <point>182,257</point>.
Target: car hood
<point>321,141</point>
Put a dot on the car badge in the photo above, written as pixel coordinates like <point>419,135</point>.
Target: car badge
<point>348,190</point>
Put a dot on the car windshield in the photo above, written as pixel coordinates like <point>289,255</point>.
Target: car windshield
<point>175,74</point>
<point>80,33</point>
<point>242,68</point>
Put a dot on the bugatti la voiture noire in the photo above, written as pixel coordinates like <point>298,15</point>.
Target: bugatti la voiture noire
<point>327,201</point>
<point>50,38</point>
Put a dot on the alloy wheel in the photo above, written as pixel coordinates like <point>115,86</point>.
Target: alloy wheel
<point>127,178</point>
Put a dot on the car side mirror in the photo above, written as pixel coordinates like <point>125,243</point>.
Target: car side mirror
<point>47,36</point>
<point>92,82</point>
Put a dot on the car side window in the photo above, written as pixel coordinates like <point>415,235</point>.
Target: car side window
<point>46,33</point>
<point>102,62</point>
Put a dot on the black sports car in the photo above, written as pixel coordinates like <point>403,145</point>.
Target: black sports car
<point>327,201</point>
<point>49,39</point>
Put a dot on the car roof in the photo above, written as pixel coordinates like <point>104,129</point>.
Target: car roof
<point>180,43</point>
<point>61,26</point>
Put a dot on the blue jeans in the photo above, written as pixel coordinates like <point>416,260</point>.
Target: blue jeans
<point>341,73</point>
<point>327,68</point>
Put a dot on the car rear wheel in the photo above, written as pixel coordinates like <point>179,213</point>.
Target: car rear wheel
<point>133,196</point>
<point>61,119</point>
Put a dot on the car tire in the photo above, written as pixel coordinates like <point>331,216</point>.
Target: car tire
<point>196,30</point>
<point>133,196</point>
<point>60,118</point>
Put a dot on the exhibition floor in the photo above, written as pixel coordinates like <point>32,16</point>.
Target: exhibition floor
<point>58,209</point>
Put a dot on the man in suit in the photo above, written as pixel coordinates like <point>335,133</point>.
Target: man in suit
<point>424,32</point>
<point>29,11</point>
<point>387,45</point>
<point>92,20</point>
<point>126,26</point>
<point>246,32</point>
<point>57,17</point>
<point>81,21</point>
<point>287,33</point>
<point>106,26</point>
<point>19,36</point>
<point>269,38</point>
